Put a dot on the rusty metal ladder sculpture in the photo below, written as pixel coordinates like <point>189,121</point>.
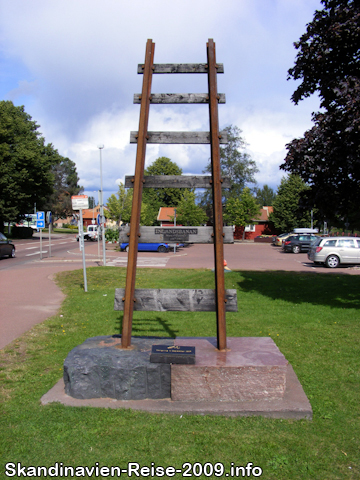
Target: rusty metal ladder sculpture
<point>128,299</point>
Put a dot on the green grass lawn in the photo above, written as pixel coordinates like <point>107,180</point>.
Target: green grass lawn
<point>314,320</point>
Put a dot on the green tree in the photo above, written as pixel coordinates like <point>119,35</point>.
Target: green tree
<point>92,203</point>
<point>242,210</point>
<point>265,196</point>
<point>288,213</point>
<point>327,157</point>
<point>66,184</point>
<point>26,175</point>
<point>119,207</point>
<point>235,164</point>
<point>155,198</point>
<point>188,213</point>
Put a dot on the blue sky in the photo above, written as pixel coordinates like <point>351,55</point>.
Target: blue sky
<point>73,65</point>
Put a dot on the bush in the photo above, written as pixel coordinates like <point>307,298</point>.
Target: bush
<point>112,235</point>
<point>21,232</point>
<point>67,225</point>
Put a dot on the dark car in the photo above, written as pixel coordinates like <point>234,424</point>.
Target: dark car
<point>7,249</point>
<point>147,247</point>
<point>298,243</point>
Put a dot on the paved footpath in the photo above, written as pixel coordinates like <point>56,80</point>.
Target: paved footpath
<point>29,295</point>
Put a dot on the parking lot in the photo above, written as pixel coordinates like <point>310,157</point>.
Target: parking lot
<point>239,256</point>
<point>250,256</point>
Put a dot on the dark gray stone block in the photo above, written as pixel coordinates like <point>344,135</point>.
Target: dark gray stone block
<point>99,368</point>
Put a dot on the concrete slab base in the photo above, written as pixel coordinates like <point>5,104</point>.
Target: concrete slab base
<point>251,378</point>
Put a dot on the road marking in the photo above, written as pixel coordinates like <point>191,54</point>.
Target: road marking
<point>31,248</point>
<point>36,253</point>
<point>141,262</point>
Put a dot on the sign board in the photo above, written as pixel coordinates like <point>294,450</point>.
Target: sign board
<point>48,217</point>
<point>79,202</point>
<point>40,219</point>
<point>98,219</point>
<point>176,234</point>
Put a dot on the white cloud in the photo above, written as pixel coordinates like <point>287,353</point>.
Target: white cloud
<point>75,63</point>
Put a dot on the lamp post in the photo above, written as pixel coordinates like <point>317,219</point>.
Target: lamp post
<point>100,147</point>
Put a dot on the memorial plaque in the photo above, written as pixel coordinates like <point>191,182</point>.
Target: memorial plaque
<point>172,354</point>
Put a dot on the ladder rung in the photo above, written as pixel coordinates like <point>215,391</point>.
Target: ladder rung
<point>175,98</point>
<point>179,137</point>
<point>175,300</point>
<point>181,68</point>
<point>176,181</point>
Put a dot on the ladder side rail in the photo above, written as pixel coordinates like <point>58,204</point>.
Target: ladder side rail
<point>217,198</point>
<point>137,195</point>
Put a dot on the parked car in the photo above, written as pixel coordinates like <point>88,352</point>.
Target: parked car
<point>91,233</point>
<point>6,247</point>
<point>298,243</point>
<point>333,251</point>
<point>147,247</point>
<point>277,241</point>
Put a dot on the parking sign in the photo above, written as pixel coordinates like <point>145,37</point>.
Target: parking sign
<point>40,219</point>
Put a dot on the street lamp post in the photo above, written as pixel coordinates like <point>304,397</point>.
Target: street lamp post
<point>100,147</point>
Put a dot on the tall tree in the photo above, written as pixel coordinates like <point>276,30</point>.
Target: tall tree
<point>26,175</point>
<point>119,207</point>
<point>155,198</point>
<point>288,213</point>
<point>66,184</point>
<point>265,196</point>
<point>242,210</point>
<point>235,164</point>
<point>327,157</point>
<point>188,213</point>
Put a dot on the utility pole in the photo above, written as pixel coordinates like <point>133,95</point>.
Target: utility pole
<point>100,147</point>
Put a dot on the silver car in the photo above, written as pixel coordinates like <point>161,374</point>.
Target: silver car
<point>333,251</point>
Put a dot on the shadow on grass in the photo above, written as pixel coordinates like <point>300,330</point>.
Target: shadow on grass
<point>337,291</point>
<point>149,326</point>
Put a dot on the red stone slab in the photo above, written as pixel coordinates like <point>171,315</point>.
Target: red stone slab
<point>252,368</point>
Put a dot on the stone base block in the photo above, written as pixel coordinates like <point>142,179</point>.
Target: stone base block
<point>99,368</point>
<point>252,368</point>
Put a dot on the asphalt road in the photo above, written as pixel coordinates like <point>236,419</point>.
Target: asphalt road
<point>29,295</point>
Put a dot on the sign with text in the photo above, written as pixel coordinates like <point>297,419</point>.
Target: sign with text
<point>79,202</point>
<point>172,354</point>
<point>177,234</point>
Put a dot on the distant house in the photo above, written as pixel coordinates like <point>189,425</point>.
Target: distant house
<point>262,226</point>
<point>60,222</point>
<point>90,215</point>
<point>166,216</point>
